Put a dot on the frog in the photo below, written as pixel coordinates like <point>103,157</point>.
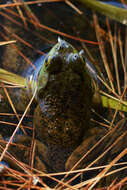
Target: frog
<point>63,99</point>
<point>60,111</point>
<point>64,96</point>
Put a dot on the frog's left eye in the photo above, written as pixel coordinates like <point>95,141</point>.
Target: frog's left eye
<point>75,57</point>
<point>75,62</point>
<point>55,64</point>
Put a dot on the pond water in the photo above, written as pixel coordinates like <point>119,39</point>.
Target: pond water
<point>34,38</point>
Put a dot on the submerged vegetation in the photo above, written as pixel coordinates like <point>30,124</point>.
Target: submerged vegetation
<point>114,12</point>
<point>28,30</point>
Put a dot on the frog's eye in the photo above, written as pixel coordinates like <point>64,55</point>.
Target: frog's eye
<point>74,58</point>
<point>55,64</point>
<point>75,62</point>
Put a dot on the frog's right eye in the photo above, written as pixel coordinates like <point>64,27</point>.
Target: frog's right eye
<point>55,64</point>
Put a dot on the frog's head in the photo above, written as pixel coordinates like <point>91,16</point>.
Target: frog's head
<point>62,57</point>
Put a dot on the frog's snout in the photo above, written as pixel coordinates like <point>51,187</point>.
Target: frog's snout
<point>62,44</point>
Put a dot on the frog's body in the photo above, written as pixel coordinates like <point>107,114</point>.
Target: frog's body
<point>64,96</point>
<point>64,100</point>
<point>64,110</point>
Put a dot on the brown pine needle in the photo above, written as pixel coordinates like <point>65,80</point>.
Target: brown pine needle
<point>125,59</point>
<point>28,3</point>
<point>31,15</point>
<point>73,7</point>
<point>7,42</point>
<point>122,56</point>
<point>102,51</point>
<point>116,111</point>
<point>100,124</point>
<point>11,138</point>
<point>67,35</point>
<point>11,19</point>
<point>101,174</point>
<point>113,46</point>
<point>13,124</point>
<point>12,114</point>
<point>13,107</point>
<point>101,117</point>
<point>21,13</point>
<point>118,185</point>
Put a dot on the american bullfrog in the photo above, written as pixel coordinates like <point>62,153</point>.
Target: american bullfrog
<point>63,131</point>
<point>64,99</point>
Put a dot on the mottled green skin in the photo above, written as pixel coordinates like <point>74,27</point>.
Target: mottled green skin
<point>63,114</point>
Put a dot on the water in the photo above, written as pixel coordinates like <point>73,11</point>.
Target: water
<point>60,17</point>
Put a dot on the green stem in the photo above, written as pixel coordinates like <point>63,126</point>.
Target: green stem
<point>119,14</point>
<point>11,78</point>
<point>109,102</point>
<point>113,103</point>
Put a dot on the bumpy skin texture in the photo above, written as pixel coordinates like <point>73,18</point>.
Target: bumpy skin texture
<point>64,111</point>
